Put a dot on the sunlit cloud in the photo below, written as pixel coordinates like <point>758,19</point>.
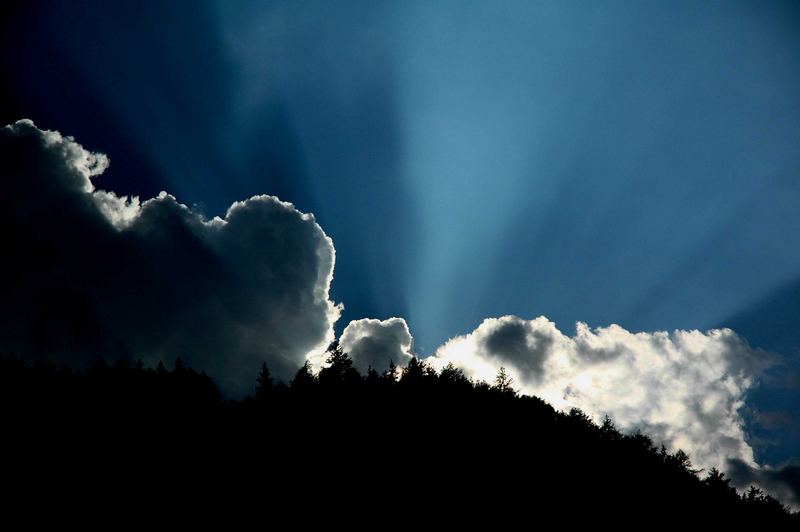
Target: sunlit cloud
<point>375,343</point>
<point>686,389</point>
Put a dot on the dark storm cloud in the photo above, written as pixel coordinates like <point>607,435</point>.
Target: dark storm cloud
<point>91,274</point>
<point>782,483</point>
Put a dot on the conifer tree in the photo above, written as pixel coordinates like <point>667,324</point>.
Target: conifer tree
<point>264,383</point>
<point>504,382</point>
<point>304,379</point>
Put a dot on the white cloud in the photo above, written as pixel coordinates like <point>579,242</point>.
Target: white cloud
<point>94,274</point>
<point>120,211</point>
<point>683,388</point>
<point>376,343</point>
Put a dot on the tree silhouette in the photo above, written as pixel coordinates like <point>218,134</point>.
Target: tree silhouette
<point>264,384</point>
<point>439,430</point>
<point>372,378</point>
<point>391,373</point>
<point>339,371</point>
<point>304,380</point>
<point>610,432</point>
<point>717,481</point>
<point>416,373</point>
<point>454,378</point>
<point>503,382</point>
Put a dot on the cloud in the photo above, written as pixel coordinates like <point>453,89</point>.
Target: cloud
<point>684,388</point>
<point>783,482</point>
<point>88,273</point>
<point>375,343</point>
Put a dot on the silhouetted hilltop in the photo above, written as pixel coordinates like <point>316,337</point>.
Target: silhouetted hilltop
<point>463,451</point>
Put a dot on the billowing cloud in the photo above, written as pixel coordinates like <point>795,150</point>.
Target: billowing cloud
<point>685,388</point>
<point>375,343</point>
<point>87,273</point>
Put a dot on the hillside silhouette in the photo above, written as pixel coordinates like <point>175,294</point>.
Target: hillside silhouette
<point>403,444</point>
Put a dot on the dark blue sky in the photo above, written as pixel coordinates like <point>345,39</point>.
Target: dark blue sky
<point>632,162</point>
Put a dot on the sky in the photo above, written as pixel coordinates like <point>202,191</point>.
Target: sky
<point>622,168</point>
